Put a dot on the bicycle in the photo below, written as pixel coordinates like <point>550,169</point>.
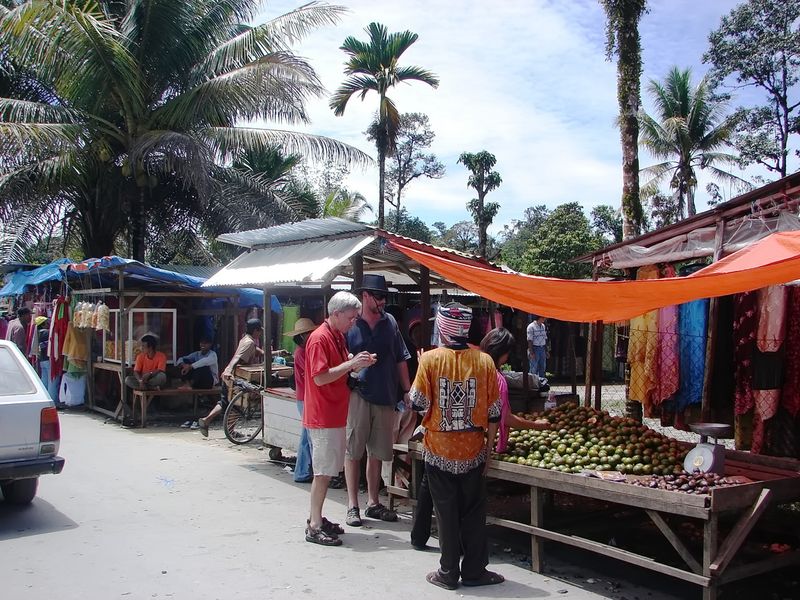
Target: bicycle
<point>243,419</point>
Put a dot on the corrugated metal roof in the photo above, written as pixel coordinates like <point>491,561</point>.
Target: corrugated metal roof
<point>290,233</point>
<point>308,262</point>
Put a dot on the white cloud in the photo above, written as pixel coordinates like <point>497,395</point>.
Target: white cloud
<point>525,80</point>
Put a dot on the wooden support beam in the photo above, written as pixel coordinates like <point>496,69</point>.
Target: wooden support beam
<point>598,365</point>
<point>739,532</point>
<point>267,345</point>
<point>537,520</point>
<point>425,305</point>
<point>357,262</point>
<point>713,320</point>
<point>604,549</point>
<point>675,541</point>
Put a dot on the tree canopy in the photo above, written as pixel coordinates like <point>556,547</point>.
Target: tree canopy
<point>141,130</point>
<point>757,45</point>
<point>483,180</point>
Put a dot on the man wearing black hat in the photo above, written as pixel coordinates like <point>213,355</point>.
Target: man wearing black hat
<point>247,353</point>
<point>372,416</point>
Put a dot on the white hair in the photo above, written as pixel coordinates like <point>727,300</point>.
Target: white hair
<point>342,301</point>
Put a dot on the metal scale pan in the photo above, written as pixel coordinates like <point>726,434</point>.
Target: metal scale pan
<point>706,456</point>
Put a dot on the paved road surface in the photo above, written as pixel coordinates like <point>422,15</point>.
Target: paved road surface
<point>162,513</point>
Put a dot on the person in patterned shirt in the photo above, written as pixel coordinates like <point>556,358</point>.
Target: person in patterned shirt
<point>456,387</point>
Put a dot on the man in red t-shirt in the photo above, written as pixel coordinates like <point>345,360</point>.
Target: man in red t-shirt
<point>327,397</point>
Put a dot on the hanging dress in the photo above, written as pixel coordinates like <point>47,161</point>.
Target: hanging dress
<point>643,349</point>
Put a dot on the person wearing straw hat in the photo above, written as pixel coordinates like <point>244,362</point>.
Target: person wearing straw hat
<point>302,329</point>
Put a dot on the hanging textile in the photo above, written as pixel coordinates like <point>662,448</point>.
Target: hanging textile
<point>790,396</point>
<point>643,349</point>
<point>290,316</point>
<point>668,352</point>
<point>693,332</point>
<point>58,334</point>
<point>768,359</point>
<point>745,323</point>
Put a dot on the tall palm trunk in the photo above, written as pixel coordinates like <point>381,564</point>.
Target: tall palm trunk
<point>482,226</point>
<point>381,184</point>
<point>138,226</point>
<point>629,67</point>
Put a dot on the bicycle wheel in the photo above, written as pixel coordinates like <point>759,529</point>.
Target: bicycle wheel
<point>242,421</point>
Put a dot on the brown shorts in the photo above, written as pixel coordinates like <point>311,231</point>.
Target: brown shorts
<point>371,427</point>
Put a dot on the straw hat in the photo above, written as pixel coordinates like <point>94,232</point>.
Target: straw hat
<point>39,320</point>
<point>303,325</point>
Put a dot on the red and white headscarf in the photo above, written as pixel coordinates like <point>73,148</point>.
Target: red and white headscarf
<point>453,321</point>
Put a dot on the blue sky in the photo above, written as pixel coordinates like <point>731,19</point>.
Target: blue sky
<point>526,80</point>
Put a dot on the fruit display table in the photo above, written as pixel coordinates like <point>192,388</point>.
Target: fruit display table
<point>771,481</point>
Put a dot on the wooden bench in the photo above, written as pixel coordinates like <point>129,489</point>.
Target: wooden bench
<point>144,397</point>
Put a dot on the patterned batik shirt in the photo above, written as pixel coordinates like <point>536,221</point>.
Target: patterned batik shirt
<point>458,391</point>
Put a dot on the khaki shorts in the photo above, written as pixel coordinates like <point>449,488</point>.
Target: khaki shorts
<point>327,451</point>
<point>371,427</point>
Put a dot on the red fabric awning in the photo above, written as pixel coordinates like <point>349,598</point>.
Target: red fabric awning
<point>773,260</point>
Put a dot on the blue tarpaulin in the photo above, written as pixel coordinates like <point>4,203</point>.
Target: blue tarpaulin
<point>104,272</point>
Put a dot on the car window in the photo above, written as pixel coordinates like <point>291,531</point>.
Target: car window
<point>13,375</point>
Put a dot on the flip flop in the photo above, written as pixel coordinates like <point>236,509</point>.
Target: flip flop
<point>487,578</point>
<point>436,579</point>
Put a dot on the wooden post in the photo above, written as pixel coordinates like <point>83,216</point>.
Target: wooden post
<point>573,369</point>
<point>357,261</point>
<point>526,365</point>
<point>122,336</point>
<point>598,365</point>
<point>425,304</point>
<point>713,320</point>
<point>267,345</point>
<point>589,367</point>
<point>537,516</point>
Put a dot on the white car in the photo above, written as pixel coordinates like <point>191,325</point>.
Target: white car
<point>29,428</point>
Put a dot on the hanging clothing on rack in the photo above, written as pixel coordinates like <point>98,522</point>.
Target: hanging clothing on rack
<point>693,332</point>
<point>790,395</point>
<point>643,349</point>
<point>745,324</point>
<point>58,334</point>
<point>768,359</point>
<point>668,350</point>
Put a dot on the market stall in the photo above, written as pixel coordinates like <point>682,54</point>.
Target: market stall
<point>100,308</point>
<point>316,257</point>
<point>701,518</point>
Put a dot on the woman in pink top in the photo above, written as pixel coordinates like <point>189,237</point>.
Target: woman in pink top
<point>498,344</point>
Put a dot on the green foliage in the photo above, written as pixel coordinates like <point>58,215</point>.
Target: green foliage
<point>758,45</point>
<point>563,235</point>
<point>483,180</point>
<point>607,223</point>
<point>133,132</point>
<point>409,226</point>
<point>686,133</point>
<point>372,66</point>
<point>516,237</point>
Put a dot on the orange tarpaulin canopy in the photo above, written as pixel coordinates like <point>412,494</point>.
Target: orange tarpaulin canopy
<point>773,260</point>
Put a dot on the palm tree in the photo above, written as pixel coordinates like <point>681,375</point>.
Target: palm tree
<point>622,32</point>
<point>344,204</point>
<point>144,122</point>
<point>687,131</point>
<point>372,66</point>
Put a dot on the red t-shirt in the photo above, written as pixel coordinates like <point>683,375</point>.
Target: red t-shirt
<point>300,373</point>
<point>325,405</point>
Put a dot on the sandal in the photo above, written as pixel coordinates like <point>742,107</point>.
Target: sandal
<point>380,512</point>
<point>203,426</point>
<point>436,579</point>
<point>488,578</point>
<point>317,536</point>
<point>328,527</point>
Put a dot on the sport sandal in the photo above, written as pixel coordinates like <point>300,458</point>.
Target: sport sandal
<point>317,536</point>
<point>380,512</point>
<point>353,517</point>
<point>332,529</point>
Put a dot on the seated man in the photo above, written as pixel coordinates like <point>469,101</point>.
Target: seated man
<point>200,369</point>
<point>149,372</point>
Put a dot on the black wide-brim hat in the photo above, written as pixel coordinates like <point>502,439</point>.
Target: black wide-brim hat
<point>373,283</point>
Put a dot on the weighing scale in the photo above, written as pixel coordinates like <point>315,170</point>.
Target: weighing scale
<point>705,456</point>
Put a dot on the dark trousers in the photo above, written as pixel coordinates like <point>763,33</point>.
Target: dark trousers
<point>423,514</point>
<point>460,505</point>
<point>200,379</point>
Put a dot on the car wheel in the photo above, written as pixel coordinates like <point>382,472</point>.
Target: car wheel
<point>20,491</point>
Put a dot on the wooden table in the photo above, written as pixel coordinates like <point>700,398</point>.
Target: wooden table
<point>777,481</point>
